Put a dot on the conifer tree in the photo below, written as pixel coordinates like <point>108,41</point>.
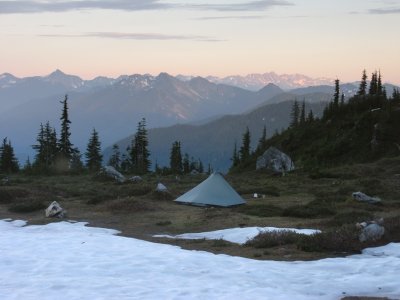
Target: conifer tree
<point>93,152</point>
<point>65,147</point>
<point>362,90</point>
<point>200,166</point>
<point>244,152</point>
<point>342,100</point>
<point>46,147</point>
<point>263,138</point>
<point>8,162</point>
<point>310,117</point>
<point>295,114</point>
<point>186,164</point>
<point>302,118</point>
<point>209,169</point>
<point>139,153</point>
<point>336,95</point>
<point>175,158</point>
<point>115,158</point>
<point>76,161</point>
<point>235,156</point>
<point>379,87</point>
<point>373,85</point>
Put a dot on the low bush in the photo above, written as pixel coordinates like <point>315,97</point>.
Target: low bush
<point>129,205</point>
<point>139,190</point>
<point>5,196</point>
<point>161,195</point>
<point>273,238</point>
<point>27,206</point>
<point>351,217</point>
<point>310,210</point>
<point>260,210</point>
<point>341,239</point>
<point>163,223</point>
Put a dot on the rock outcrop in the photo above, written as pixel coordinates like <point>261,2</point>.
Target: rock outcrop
<point>275,160</point>
<point>110,171</point>
<point>359,196</point>
<point>55,211</point>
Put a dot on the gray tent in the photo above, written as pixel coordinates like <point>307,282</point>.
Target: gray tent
<point>212,191</point>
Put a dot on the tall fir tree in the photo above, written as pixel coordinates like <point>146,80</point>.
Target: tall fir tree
<point>235,156</point>
<point>362,90</point>
<point>46,147</point>
<point>76,161</point>
<point>373,85</point>
<point>139,153</point>
<point>336,96</point>
<point>244,152</point>
<point>295,113</point>
<point>8,162</point>
<point>186,164</point>
<point>93,152</point>
<point>65,147</point>
<point>115,158</point>
<point>175,158</point>
<point>263,138</point>
<point>379,86</point>
<point>310,117</point>
<point>302,117</point>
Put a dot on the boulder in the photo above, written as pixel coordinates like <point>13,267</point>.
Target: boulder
<point>55,211</point>
<point>161,188</point>
<point>275,160</point>
<point>359,196</point>
<point>110,171</point>
<point>136,179</point>
<point>372,231</point>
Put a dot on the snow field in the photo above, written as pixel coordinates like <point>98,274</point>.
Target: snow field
<point>71,261</point>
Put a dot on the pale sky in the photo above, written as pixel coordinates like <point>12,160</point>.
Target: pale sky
<point>318,38</point>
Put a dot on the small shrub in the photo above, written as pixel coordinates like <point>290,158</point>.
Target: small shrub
<point>161,195</point>
<point>341,239</point>
<point>129,205</point>
<point>392,228</point>
<point>311,210</point>
<point>273,238</point>
<point>139,190</point>
<point>163,223</point>
<point>220,243</point>
<point>5,196</point>
<point>351,217</point>
<point>27,206</point>
<point>260,210</point>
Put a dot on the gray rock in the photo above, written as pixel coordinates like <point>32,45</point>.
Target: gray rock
<point>370,232</point>
<point>112,173</point>
<point>161,188</point>
<point>359,196</point>
<point>55,211</point>
<point>136,179</point>
<point>275,160</point>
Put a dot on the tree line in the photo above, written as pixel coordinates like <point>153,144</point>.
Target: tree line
<point>54,154</point>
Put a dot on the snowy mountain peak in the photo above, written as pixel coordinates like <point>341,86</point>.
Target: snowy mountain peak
<point>7,80</point>
<point>68,81</point>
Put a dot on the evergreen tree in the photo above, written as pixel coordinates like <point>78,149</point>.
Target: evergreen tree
<point>201,167</point>
<point>373,86</point>
<point>46,148</point>
<point>93,152</point>
<point>125,163</point>
<point>263,138</point>
<point>8,162</point>
<point>362,90</point>
<point>295,114</point>
<point>235,156</point>
<point>76,161</point>
<point>336,96</point>
<point>244,152</point>
<point>379,87</point>
<point>302,118</point>
<point>186,164</point>
<point>175,158</point>
<point>115,158</point>
<point>65,147</point>
<point>139,153</point>
<point>209,169</point>
<point>342,100</point>
<point>310,116</point>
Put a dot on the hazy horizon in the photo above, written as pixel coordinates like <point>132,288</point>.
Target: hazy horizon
<point>332,39</point>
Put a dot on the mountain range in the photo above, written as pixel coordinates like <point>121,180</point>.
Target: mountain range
<point>114,105</point>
